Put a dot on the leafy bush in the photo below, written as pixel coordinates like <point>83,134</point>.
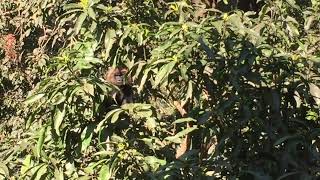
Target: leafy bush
<point>221,95</point>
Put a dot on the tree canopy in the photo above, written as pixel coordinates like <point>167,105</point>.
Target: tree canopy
<point>224,89</point>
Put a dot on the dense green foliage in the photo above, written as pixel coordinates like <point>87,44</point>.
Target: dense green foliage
<point>219,93</point>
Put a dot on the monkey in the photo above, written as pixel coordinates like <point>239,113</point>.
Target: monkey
<point>118,76</point>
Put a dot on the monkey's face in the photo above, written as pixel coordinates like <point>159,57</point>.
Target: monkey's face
<point>119,79</point>
<point>117,76</point>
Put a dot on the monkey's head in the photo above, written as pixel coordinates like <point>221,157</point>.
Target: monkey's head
<point>117,76</point>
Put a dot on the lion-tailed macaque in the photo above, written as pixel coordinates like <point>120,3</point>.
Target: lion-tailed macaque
<point>118,77</point>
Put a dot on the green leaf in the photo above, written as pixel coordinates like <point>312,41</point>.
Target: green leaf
<point>124,35</point>
<point>88,88</point>
<point>30,119</point>
<point>293,4</point>
<point>4,170</point>
<point>151,123</point>
<point>154,162</point>
<point>285,138</point>
<point>69,168</point>
<point>33,98</point>
<point>190,90</point>
<point>284,176</point>
<point>115,116</point>
<point>91,13</point>
<point>58,117</point>
<point>58,98</point>
<point>210,53</point>
<point>42,135</point>
<point>163,47</point>
<point>144,79</point>
<point>164,73</point>
<point>86,136</point>
<point>92,166</point>
<point>72,6</point>
<point>140,38</point>
<point>104,172</point>
<point>174,32</point>
<point>58,174</point>
<point>79,22</point>
<point>26,164</point>
<point>42,170</point>
<point>107,117</point>
<point>308,23</point>
<point>109,40</point>
<point>315,92</point>
<point>182,120</point>
<point>176,138</point>
<point>293,30</point>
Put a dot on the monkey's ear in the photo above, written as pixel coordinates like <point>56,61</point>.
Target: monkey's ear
<point>109,75</point>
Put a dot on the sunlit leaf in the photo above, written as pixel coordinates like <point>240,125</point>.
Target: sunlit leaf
<point>91,13</point>
<point>104,173</point>
<point>33,98</point>
<point>42,134</point>
<point>58,98</point>
<point>79,22</point>
<point>140,38</point>
<point>315,92</point>
<point>124,35</point>
<point>293,30</point>
<point>40,172</point>
<point>115,116</point>
<point>293,4</point>
<point>309,22</point>
<point>88,88</point>
<point>86,137</point>
<point>143,80</point>
<point>109,116</point>
<point>155,162</point>
<point>109,41</point>
<point>26,164</point>
<point>164,73</point>
<point>4,170</point>
<point>58,174</point>
<point>182,120</point>
<point>151,123</point>
<point>58,117</point>
<point>176,138</point>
